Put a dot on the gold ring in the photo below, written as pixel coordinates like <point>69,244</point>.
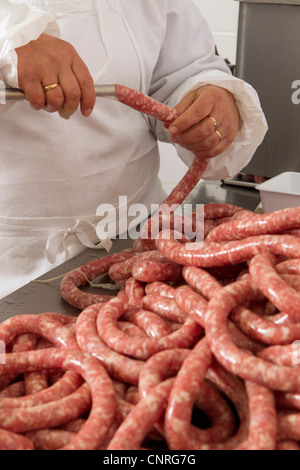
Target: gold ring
<point>219,134</point>
<point>50,87</point>
<point>214,121</point>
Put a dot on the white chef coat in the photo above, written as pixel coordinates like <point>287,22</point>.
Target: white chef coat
<point>54,173</point>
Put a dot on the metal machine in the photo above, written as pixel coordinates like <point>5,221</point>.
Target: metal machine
<point>268,57</point>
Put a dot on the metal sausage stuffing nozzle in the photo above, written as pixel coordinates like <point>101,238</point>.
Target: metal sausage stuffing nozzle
<point>133,98</point>
<point>12,94</point>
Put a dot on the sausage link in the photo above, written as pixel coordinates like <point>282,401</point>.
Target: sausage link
<point>262,329</point>
<point>137,246</point>
<point>284,297</point>
<point>175,199</point>
<point>213,254</point>
<point>145,104</point>
<point>35,381</point>
<point>263,420</point>
<point>293,280</point>
<point>70,283</point>
<point>120,388</point>
<point>236,360</point>
<point>283,355</point>
<point>123,269</point>
<point>183,395</point>
<point>119,366</point>
<point>150,271</point>
<point>134,291</point>
<point>74,425</point>
<point>12,441</point>
<point>160,288</point>
<point>140,348</point>
<point>294,233</point>
<point>42,325</point>
<point>47,415</point>
<point>22,342</point>
<point>152,324</point>
<point>167,364</point>
<point>138,423</point>
<point>187,183</point>
<point>196,305</point>
<point>165,307</point>
<point>288,425</point>
<point>201,281</point>
<point>96,378</point>
<point>243,214</point>
<point>220,413</point>
<point>261,224</point>
<point>50,439</point>
<point>13,390</point>
<point>123,408</point>
<point>209,225</point>
<point>291,266</point>
<point>234,389</point>
<point>132,395</point>
<point>179,433</point>
<point>69,382</point>
<point>287,445</point>
<point>221,210</point>
<point>131,329</point>
<point>159,367</point>
<point>290,401</point>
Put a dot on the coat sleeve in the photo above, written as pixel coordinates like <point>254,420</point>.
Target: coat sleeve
<point>19,24</point>
<point>187,61</point>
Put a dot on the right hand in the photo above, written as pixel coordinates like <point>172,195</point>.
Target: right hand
<point>48,60</point>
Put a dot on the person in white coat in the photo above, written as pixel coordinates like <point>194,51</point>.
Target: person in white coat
<point>56,172</point>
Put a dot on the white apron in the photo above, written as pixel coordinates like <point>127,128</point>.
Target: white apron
<point>56,173</point>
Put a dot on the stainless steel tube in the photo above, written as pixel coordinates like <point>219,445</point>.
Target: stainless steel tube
<point>11,94</point>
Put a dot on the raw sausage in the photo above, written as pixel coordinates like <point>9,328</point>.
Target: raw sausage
<point>145,104</point>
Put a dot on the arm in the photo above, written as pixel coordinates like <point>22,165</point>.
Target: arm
<point>31,57</point>
<point>200,85</point>
<point>49,60</point>
<point>19,24</point>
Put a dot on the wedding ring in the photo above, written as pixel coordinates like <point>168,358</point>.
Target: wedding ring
<point>219,134</point>
<point>49,87</point>
<point>214,121</point>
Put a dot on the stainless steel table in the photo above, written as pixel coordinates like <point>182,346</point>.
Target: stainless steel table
<point>37,298</point>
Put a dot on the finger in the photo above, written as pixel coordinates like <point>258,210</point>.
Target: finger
<point>214,151</point>
<point>196,133</point>
<point>34,93</point>
<point>205,145</point>
<point>54,97</point>
<point>86,83</point>
<point>196,112</point>
<point>71,91</point>
<point>185,103</point>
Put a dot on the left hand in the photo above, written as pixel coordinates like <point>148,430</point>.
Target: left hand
<point>49,60</point>
<point>196,131</point>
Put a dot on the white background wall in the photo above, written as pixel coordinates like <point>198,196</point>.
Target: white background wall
<point>222,17</point>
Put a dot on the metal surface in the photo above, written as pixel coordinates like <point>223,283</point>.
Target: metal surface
<point>267,58</point>
<point>12,94</point>
<point>275,2</point>
<point>238,182</point>
<point>105,91</point>
<point>37,297</point>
